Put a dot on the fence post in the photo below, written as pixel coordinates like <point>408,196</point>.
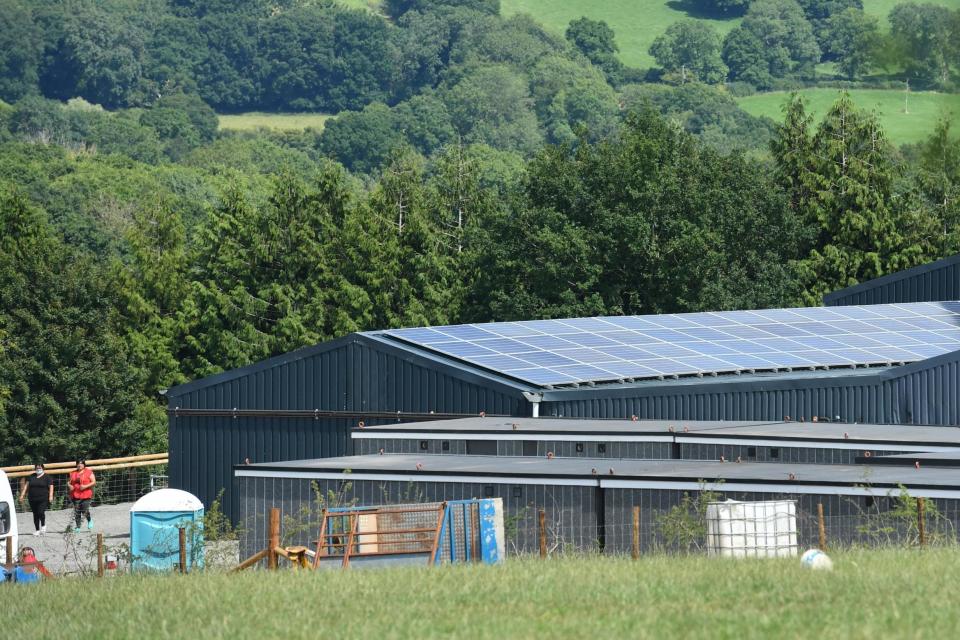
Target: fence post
<point>182,534</point>
<point>636,533</point>
<point>822,528</point>
<point>543,534</point>
<point>274,540</point>
<point>100,555</point>
<point>9,546</point>
<point>921,521</point>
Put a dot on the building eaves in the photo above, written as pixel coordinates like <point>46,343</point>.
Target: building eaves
<point>913,272</point>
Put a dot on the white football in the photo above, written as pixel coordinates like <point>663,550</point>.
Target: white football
<point>816,559</point>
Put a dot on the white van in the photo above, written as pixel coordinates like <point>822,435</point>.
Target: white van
<point>8,518</point>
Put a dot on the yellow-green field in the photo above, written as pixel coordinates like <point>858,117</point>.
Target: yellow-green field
<point>877,594</point>
<point>278,121</point>
<point>925,108</point>
<point>638,22</point>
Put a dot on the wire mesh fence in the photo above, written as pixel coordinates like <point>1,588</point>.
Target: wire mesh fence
<point>114,486</point>
<point>587,519</point>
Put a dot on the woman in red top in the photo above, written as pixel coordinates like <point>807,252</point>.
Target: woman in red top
<point>81,492</point>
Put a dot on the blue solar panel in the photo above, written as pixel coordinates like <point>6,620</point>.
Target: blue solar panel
<point>557,352</point>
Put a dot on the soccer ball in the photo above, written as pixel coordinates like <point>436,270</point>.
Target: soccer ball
<point>816,559</point>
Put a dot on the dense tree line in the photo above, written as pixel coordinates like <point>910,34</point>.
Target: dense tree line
<point>782,40</point>
<point>124,270</point>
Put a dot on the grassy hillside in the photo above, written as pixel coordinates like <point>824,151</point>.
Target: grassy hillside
<point>279,121</point>
<point>879,594</point>
<point>636,23</point>
<point>925,108</point>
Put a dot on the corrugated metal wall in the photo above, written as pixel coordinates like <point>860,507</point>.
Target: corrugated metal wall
<point>352,374</point>
<point>926,392</point>
<point>932,282</point>
<point>362,375</point>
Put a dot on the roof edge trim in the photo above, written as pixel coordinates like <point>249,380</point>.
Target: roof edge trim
<point>834,296</point>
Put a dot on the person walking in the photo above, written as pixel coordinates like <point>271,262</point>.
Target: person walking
<point>82,481</point>
<point>38,489</point>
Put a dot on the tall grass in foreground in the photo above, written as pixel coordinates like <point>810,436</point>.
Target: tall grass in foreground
<point>870,594</point>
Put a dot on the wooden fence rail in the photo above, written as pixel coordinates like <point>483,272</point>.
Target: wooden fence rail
<point>55,468</point>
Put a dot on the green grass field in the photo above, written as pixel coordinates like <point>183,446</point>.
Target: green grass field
<point>879,594</point>
<point>637,23</point>
<point>925,108</point>
<point>279,121</point>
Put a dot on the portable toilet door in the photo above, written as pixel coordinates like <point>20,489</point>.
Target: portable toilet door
<point>8,519</point>
<point>155,520</point>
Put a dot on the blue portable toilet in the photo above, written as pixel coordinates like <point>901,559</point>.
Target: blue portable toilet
<point>154,537</point>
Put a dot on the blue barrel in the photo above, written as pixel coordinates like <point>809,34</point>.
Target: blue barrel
<point>155,520</point>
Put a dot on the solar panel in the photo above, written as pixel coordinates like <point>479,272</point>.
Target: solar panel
<point>603,349</point>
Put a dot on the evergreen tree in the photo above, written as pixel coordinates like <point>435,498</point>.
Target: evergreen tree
<point>841,182</point>
<point>72,390</point>
<point>261,278</point>
<point>938,179</point>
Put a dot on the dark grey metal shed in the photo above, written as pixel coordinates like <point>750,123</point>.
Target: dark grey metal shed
<point>588,502</point>
<point>775,442</point>
<point>933,282</point>
<point>303,404</point>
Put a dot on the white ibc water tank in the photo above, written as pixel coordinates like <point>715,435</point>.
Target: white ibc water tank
<point>766,529</point>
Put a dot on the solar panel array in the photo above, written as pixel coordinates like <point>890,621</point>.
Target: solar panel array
<point>602,349</point>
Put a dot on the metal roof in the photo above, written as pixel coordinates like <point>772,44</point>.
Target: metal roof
<point>920,283</point>
<point>681,430</point>
<point>948,458</point>
<point>780,477</point>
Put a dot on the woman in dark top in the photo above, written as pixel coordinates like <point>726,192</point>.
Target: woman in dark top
<point>39,489</point>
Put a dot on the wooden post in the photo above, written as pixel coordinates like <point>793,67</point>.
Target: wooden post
<point>9,546</point>
<point>100,555</point>
<point>636,533</point>
<point>274,541</point>
<point>183,549</point>
<point>543,533</point>
<point>822,528</point>
<point>921,521</point>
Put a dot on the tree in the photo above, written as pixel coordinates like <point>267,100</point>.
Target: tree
<point>363,140</point>
<point>569,97</point>
<point>924,32</point>
<point>182,121</point>
<point>21,47</point>
<point>841,183</point>
<point>819,12</point>
<point>853,39</point>
<point>774,40</point>
<point>690,46</point>
<point>98,57</point>
<point>154,286</point>
<point>72,389</point>
<point>396,270</point>
<point>261,278</point>
<point>595,39</point>
<point>649,221</point>
<point>492,105</point>
<point>938,179</point>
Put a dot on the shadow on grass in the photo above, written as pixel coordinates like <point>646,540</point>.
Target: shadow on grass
<point>694,10</point>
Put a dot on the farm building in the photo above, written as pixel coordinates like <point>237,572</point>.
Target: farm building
<point>893,364</point>
<point>588,503</point>
<point>777,442</point>
<point>931,282</point>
